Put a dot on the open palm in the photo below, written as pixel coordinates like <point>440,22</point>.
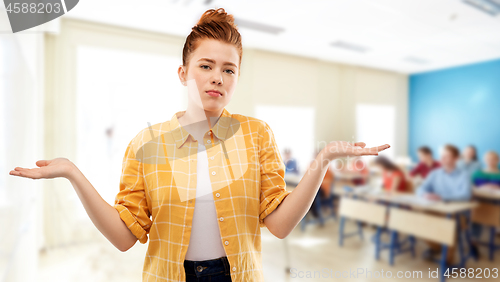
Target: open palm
<point>58,167</point>
<point>339,149</point>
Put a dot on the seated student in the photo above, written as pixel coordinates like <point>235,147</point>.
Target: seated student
<point>426,163</point>
<point>447,183</point>
<point>487,178</point>
<point>359,171</point>
<point>324,191</point>
<point>290,162</point>
<point>469,160</point>
<point>393,178</point>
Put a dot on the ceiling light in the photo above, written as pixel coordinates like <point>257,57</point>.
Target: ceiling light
<point>349,46</point>
<point>258,26</point>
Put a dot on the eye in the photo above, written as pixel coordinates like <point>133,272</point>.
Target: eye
<point>231,71</point>
<point>203,67</point>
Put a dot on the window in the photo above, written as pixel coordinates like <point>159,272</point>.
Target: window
<point>118,93</point>
<point>293,128</point>
<point>375,125</point>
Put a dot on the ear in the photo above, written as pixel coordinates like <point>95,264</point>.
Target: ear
<point>182,75</point>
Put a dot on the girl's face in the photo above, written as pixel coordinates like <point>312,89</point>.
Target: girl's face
<point>491,160</point>
<point>212,66</point>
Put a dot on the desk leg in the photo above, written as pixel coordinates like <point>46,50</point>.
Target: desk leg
<point>360,230</point>
<point>491,244</point>
<point>460,241</point>
<point>442,263</point>
<point>392,246</point>
<point>377,242</point>
<point>412,245</point>
<point>341,231</point>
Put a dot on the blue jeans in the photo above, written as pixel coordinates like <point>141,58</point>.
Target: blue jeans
<point>212,270</point>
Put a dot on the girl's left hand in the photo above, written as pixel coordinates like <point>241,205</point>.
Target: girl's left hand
<point>339,149</point>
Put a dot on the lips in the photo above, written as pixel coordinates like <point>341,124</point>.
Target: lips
<point>214,93</point>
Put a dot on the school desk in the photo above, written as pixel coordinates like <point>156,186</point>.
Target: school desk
<point>413,222</point>
<point>488,214</point>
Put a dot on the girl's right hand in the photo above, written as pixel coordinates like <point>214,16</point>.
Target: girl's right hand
<point>58,167</point>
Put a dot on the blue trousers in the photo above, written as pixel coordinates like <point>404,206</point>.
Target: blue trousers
<point>213,270</point>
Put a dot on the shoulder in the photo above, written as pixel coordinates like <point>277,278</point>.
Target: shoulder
<point>253,125</point>
<point>252,122</point>
<point>435,172</point>
<point>149,133</point>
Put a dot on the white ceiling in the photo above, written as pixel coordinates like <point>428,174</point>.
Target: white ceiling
<point>436,33</point>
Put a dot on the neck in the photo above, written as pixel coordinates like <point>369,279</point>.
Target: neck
<point>492,169</point>
<point>449,168</point>
<point>195,114</point>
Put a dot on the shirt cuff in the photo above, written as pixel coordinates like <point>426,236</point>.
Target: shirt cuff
<point>132,223</point>
<point>272,206</point>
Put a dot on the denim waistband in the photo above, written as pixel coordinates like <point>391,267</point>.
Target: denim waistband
<point>207,267</point>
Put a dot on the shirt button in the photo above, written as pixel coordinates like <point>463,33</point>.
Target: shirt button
<point>213,172</point>
<point>210,133</point>
<point>217,195</point>
<point>227,243</point>
<point>234,268</point>
<point>211,158</point>
<point>221,219</point>
<point>208,141</point>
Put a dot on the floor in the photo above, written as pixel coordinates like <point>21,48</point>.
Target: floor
<point>312,252</point>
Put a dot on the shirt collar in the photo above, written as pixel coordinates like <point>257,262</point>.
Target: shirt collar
<point>453,172</point>
<point>180,134</point>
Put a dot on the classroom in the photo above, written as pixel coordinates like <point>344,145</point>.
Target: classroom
<point>370,130</point>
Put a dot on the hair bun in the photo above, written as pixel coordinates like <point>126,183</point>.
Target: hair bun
<point>216,15</point>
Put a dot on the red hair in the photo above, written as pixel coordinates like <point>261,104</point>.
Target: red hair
<point>213,24</point>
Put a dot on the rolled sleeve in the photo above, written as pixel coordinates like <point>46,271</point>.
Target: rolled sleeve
<point>272,172</point>
<point>131,201</point>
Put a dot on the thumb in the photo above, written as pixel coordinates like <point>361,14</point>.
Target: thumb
<point>41,163</point>
<point>360,144</point>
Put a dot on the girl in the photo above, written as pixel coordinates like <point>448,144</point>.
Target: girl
<point>203,183</point>
<point>393,177</point>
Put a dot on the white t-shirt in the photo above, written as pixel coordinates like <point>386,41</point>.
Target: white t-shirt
<point>205,242</point>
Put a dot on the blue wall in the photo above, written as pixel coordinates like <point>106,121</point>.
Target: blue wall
<point>458,105</point>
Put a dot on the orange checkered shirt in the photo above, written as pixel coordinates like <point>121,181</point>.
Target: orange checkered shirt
<point>158,191</point>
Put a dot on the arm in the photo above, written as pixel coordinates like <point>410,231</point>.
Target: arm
<point>427,186</point>
<point>416,170</point>
<point>395,183</point>
<point>104,216</point>
<point>295,206</point>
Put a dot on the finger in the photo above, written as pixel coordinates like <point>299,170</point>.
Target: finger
<point>370,151</point>
<point>30,173</point>
<point>360,144</point>
<point>20,168</point>
<point>375,150</point>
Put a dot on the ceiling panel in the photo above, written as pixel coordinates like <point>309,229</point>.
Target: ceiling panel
<point>442,33</point>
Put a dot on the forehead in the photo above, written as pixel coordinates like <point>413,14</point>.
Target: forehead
<point>216,50</point>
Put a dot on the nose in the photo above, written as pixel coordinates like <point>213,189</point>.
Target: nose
<point>217,80</point>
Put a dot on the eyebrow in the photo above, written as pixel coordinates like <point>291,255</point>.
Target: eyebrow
<point>213,62</point>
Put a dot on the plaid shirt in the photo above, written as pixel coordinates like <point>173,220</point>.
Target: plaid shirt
<point>158,191</point>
